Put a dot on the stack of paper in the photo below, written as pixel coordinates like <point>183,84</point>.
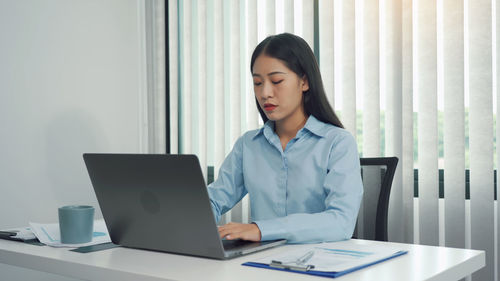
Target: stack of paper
<point>49,234</point>
<point>18,233</point>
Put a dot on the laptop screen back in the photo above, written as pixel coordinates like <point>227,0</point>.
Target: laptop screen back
<point>155,202</point>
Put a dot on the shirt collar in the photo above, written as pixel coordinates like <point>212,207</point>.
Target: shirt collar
<point>269,126</point>
<point>312,125</point>
<point>315,126</point>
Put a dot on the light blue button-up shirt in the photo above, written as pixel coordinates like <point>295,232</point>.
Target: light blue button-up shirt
<point>311,192</point>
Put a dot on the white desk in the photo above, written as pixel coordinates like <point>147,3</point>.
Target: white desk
<point>421,263</point>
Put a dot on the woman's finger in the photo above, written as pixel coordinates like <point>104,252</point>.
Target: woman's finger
<point>222,231</point>
<point>234,236</point>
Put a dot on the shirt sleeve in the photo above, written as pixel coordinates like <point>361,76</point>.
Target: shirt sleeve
<point>343,193</point>
<point>228,188</point>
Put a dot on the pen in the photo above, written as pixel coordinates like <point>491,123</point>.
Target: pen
<point>305,257</point>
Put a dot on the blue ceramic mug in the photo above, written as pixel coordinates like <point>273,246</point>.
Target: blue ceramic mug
<point>76,224</point>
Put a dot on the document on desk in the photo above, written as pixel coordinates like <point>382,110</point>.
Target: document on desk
<point>49,234</point>
<point>328,261</point>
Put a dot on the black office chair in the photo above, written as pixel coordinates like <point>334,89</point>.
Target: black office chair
<point>377,174</point>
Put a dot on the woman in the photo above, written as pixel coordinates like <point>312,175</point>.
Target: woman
<point>301,169</point>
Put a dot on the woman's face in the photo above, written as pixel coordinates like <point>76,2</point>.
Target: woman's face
<point>278,89</point>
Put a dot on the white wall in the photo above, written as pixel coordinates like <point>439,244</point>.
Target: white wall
<point>71,81</point>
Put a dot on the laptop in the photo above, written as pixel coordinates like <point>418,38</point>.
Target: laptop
<point>160,202</point>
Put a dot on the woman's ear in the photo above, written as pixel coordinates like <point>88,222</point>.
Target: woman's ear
<point>304,84</point>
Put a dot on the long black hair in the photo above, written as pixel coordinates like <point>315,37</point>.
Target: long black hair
<point>296,54</point>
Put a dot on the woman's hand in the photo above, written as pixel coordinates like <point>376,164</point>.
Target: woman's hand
<point>244,231</point>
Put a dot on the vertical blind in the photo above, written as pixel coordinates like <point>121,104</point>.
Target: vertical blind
<point>416,79</point>
<point>478,72</point>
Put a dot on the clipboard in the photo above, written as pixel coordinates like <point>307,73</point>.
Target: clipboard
<point>310,269</point>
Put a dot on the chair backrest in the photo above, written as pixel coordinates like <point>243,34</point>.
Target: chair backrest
<point>377,174</point>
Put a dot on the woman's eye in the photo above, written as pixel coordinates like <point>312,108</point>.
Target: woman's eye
<point>277,82</point>
<point>257,83</point>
